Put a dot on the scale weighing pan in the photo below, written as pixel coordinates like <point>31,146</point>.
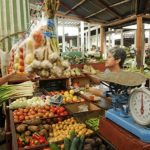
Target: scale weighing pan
<point>122,78</point>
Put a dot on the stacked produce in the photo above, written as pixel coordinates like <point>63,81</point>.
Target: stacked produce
<point>68,96</point>
<point>32,133</point>
<point>72,72</point>
<point>36,112</point>
<point>93,123</point>
<point>35,132</point>
<point>23,102</point>
<point>16,91</point>
<point>89,69</point>
<point>61,130</point>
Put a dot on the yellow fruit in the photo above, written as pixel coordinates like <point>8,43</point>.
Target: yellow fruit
<point>71,92</point>
<point>66,93</point>
<point>74,98</point>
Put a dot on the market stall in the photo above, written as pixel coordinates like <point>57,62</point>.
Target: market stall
<point>48,104</point>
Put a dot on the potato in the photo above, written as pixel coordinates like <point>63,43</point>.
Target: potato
<point>43,132</point>
<point>21,128</point>
<point>33,128</point>
<point>27,133</point>
<point>46,126</point>
<point>36,121</point>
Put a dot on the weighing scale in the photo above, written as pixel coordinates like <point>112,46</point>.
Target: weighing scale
<point>130,102</point>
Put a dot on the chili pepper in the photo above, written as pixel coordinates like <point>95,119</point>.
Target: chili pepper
<point>19,142</point>
<point>36,142</point>
<point>40,138</point>
<point>22,141</point>
<point>32,143</point>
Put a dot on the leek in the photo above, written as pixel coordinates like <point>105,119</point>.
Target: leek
<point>16,91</point>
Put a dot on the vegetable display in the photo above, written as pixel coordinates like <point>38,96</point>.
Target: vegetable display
<point>16,91</point>
<point>93,123</point>
<point>36,112</point>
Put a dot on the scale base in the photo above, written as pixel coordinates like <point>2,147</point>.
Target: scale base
<point>127,123</point>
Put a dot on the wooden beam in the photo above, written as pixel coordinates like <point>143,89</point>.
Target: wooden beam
<point>62,15</point>
<point>116,4</point>
<point>139,42</point>
<point>74,7</point>
<point>122,21</point>
<point>111,10</point>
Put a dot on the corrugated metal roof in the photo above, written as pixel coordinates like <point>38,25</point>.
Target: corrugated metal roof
<point>102,11</point>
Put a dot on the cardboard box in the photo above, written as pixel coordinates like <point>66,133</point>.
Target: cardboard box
<point>82,107</point>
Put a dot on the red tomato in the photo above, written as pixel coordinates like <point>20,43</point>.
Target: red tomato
<point>43,111</point>
<point>19,113</point>
<point>21,118</point>
<point>25,110</point>
<point>62,114</point>
<point>32,112</point>
<point>62,109</point>
<point>16,117</point>
<point>65,113</point>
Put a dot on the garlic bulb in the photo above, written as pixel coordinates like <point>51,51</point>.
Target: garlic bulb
<point>57,71</point>
<point>46,64</point>
<point>65,63</point>
<point>39,53</point>
<point>44,73</point>
<point>36,64</point>
<point>53,57</point>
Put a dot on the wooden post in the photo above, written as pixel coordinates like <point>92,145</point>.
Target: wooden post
<point>89,36</point>
<point>78,39</point>
<point>135,39</point>
<point>121,40</point>
<point>103,41</point>
<point>63,38</point>
<point>139,42</point>
<point>82,36</point>
<point>97,37</point>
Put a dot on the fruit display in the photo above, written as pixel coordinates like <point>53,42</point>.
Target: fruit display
<point>68,96</point>
<point>62,129</point>
<point>36,112</point>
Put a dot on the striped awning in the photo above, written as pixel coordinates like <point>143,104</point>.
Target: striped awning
<point>14,17</point>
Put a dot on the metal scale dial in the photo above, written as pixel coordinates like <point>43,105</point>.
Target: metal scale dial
<point>139,103</point>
